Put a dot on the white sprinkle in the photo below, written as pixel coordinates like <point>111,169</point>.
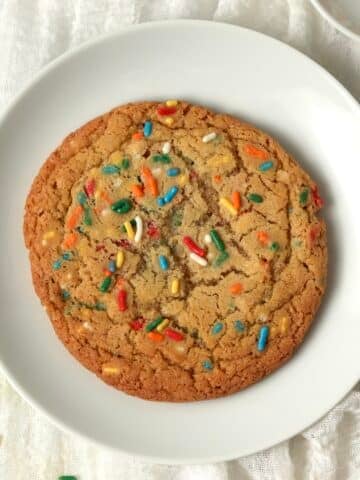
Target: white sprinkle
<point>105,212</point>
<point>139,229</point>
<point>210,136</point>
<point>166,148</point>
<point>207,239</point>
<point>201,261</point>
<point>156,171</point>
<point>87,325</point>
<point>117,182</point>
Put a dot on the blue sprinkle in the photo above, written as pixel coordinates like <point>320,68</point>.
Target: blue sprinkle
<point>160,201</point>
<point>264,167</point>
<point>170,194</point>
<point>112,266</point>
<point>147,128</point>
<point>217,328</point>
<point>263,338</point>
<point>163,262</point>
<point>67,255</point>
<point>207,365</point>
<point>110,169</point>
<point>56,265</point>
<point>239,326</point>
<point>65,294</point>
<point>81,198</point>
<point>173,172</point>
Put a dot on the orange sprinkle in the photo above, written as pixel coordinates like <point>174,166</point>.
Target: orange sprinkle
<point>150,181</point>
<point>236,288</point>
<point>137,190</point>
<point>236,200</point>
<point>217,178</point>
<point>155,336</point>
<point>74,217</point>
<point>104,196</point>
<point>263,237</point>
<point>69,240</point>
<point>107,272</point>
<point>255,152</point>
<point>137,135</point>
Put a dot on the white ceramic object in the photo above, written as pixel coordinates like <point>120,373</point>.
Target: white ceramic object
<point>342,14</point>
<point>232,70</point>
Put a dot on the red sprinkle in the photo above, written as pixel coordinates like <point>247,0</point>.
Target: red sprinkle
<point>137,324</point>
<point>90,188</point>
<point>152,230</point>
<point>122,243</point>
<point>121,300</point>
<point>164,111</point>
<point>193,247</point>
<point>313,234</point>
<point>319,202</point>
<point>174,335</point>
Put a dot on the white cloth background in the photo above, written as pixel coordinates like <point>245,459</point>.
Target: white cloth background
<point>33,32</point>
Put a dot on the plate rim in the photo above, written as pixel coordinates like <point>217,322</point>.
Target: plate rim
<point>123,31</point>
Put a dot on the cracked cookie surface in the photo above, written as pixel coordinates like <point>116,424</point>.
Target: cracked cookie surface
<point>177,251</point>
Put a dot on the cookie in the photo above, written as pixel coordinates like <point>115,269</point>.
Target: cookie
<point>177,251</point>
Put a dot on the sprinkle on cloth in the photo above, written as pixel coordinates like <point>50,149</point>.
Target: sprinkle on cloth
<point>67,477</point>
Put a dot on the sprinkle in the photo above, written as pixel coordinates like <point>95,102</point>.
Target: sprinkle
<point>224,202</point>
<point>163,325</point>
<point>137,324</point>
<point>221,259</point>
<point>90,187</point>
<point>239,326</point>
<point>152,325</point>
<point>169,121</point>
<point>174,335</point>
<point>217,328</point>
<point>161,158</point>
<point>304,196</point>
<point>313,234</point>
<point>170,194</point>
<point>284,325</point>
<point>160,201</point>
<point>137,190</point>
<point>274,247</point>
<point>152,230</point>
<point>164,111</point>
<point>121,206</point>
<point>147,128</point>
<point>209,137</point>
<point>207,365</point>
<point>236,288</point>
<point>67,256</point>
<point>201,261</point>
<point>110,370</point>
<point>163,262</point>
<point>175,284</point>
<point>264,167</point>
<point>189,242</point>
<point>67,477</point>
<point>171,103</point>
<point>263,237</point>
<point>236,200</point>
<point>74,217</point>
<point>122,300</point>
<point>112,266</point>
<point>129,230</point>
<point>137,136</point>
<point>119,259</point>
<point>125,164</point>
<point>319,202</point>
<point>107,272</point>
<point>150,181</point>
<point>263,338</point>
<point>105,284</point>
<point>56,265</point>
<point>110,169</point>
<point>49,234</point>
<point>173,172</point>
<point>207,239</point>
<point>87,216</point>
<point>254,197</point>
<point>155,336</point>
<point>65,294</point>
<point>217,241</point>
<point>166,148</point>
<point>217,178</point>
<point>81,198</point>
<point>255,152</point>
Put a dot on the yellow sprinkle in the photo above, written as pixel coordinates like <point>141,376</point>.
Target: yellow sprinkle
<point>119,259</point>
<point>182,179</point>
<point>110,370</point>
<point>175,286</point>
<point>171,103</point>
<point>163,325</point>
<point>49,234</point>
<point>115,157</point>
<point>224,202</point>
<point>169,121</point>
<point>129,230</point>
<point>284,325</point>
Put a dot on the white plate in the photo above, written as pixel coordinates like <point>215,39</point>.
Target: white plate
<point>232,70</point>
<point>342,14</point>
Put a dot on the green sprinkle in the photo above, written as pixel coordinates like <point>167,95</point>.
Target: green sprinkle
<point>121,206</point>
<point>254,197</point>
<point>264,167</point>
<point>87,217</point>
<point>239,326</point>
<point>110,169</point>
<point>217,241</point>
<point>207,365</point>
<point>304,196</point>
<point>161,158</point>
<point>81,198</point>
<point>217,328</point>
<point>105,284</point>
<point>221,259</point>
<point>67,477</point>
<point>99,306</point>
<point>274,247</point>
<point>67,256</point>
<point>125,164</point>
<point>152,325</point>
<point>65,294</point>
